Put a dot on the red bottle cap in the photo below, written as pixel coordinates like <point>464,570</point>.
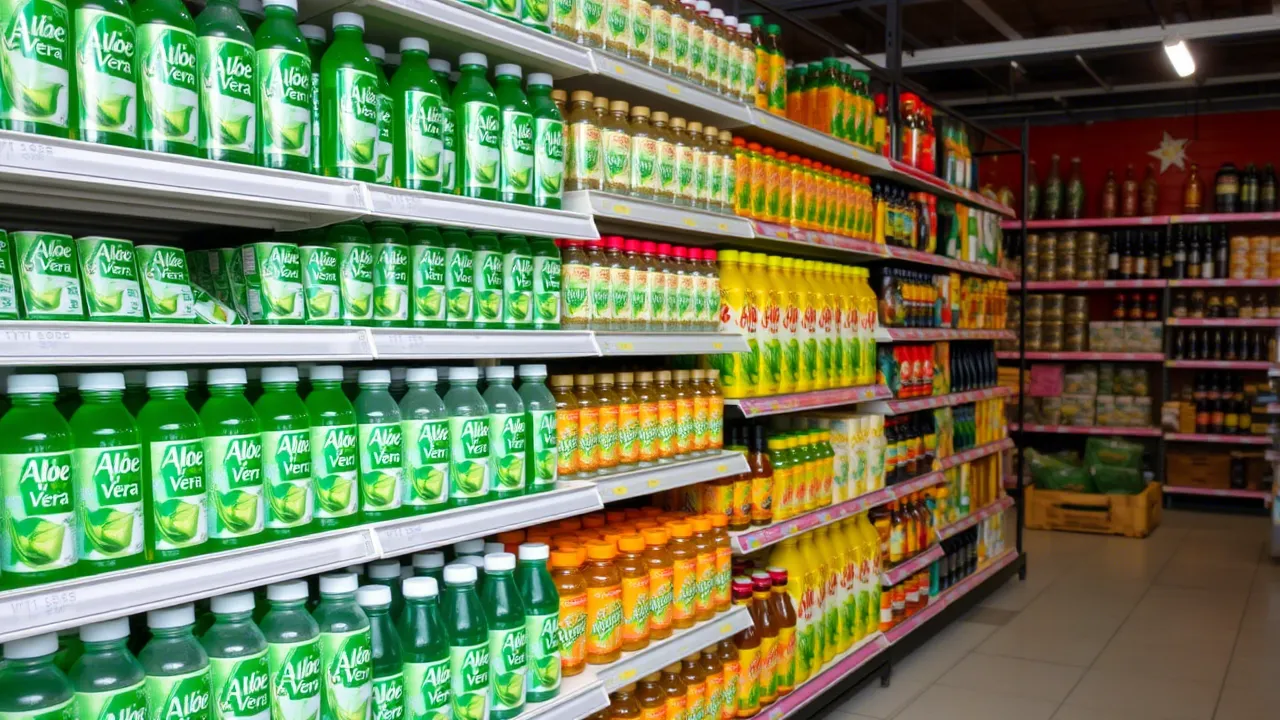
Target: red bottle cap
<point>613,242</point>
<point>648,247</point>
<point>695,254</point>
<point>709,255</point>
<point>760,581</point>
<point>680,252</point>
<point>778,576</point>
<point>664,249</point>
<point>631,245</point>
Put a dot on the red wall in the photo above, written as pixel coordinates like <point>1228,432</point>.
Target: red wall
<point>1213,139</point>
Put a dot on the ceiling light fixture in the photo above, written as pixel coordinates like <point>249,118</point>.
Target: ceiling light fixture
<point>1180,57</point>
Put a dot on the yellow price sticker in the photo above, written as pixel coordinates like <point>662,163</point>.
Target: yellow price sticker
<point>620,490</point>
<point>723,227</point>
<point>717,346</point>
<point>673,89</point>
<point>722,468</point>
<point>726,628</point>
<point>654,483</point>
<point>626,346</point>
<point>619,70</point>
<point>626,674</point>
<point>621,209</point>
<point>690,222</point>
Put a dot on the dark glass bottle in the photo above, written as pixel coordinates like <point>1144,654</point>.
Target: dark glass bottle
<point>1267,190</point>
<point>1226,189</point>
<point>1249,189</point>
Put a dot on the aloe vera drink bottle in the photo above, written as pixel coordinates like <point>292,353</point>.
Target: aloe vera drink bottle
<point>286,455</point>
<point>424,425</point>
<point>391,275</point>
<point>240,675</point>
<point>177,503</point>
<point>459,279</point>
<point>31,686</point>
<point>348,103</point>
<point>515,180</point>
<point>387,574</point>
<point>106,81</point>
<point>517,283</point>
<point>479,129</point>
<point>69,649</point>
<point>548,141</point>
<point>39,542</point>
<point>382,148</point>
<point>448,128</point>
<point>487,277</point>
<point>283,73</point>
<point>253,13</point>
<point>381,447</point>
<point>469,548</point>
<point>429,564</point>
<point>354,246</point>
<point>177,667</point>
<point>135,390</point>
<point>469,463</point>
<point>316,39</point>
<point>424,648</point>
<point>542,461</point>
<point>228,106</point>
<point>468,633</point>
<point>346,655</point>
<point>107,473</point>
<point>508,643</point>
<point>541,603</point>
<point>293,652</point>
<point>417,119</point>
<point>427,270</point>
<point>233,461</point>
<point>508,432</point>
<point>108,680</point>
<point>334,457</point>
<point>68,400</point>
<point>37,69</point>
<point>546,284</point>
<point>388,673</point>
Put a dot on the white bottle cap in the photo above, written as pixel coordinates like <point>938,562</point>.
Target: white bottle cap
<point>462,374</point>
<point>375,377</point>
<point>180,616</point>
<point>313,32</point>
<point>717,14</point>
<point>439,65</point>
<point>253,7</point>
<point>474,546</point>
<point>32,647</point>
<point>349,19</point>
<point>332,373</point>
<point>415,43</point>
<point>338,583</point>
<point>533,371</point>
<point>499,562</point>
<point>731,21</point>
<point>473,58</point>
<point>135,377</point>
<point>280,374</point>
<point>291,4</point>
<point>105,631</point>
<point>383,569</point>
<point>703,5</point>
<point>419,587</point>
<point>373,596</point>
<point>428,560</point>
<point>239,602</point>
<point>508,69</point>
<point>744,28</point>
<point>474,561</point>
<point>540,79</point>
<point>377,51</point>
<point>32,384</point>
<point>494,547</point>
<point>226,376</point>
<point>454,574</point>
<point>534,551</point>
<point>287,591</point>
<point>500,372</point>
<point>101,381</point>
<point>421,375</point>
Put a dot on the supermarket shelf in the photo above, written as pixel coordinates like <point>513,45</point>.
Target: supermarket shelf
<point>912,176</point>
<point>650,216</point>
<point>949,596</point>
<point>1262,495</point>
<point>793,137</point>
<point>413,344</point>
<point>1087,430</point>
<point>799,236</point>
<point>1035,285</point>
<point>1215,438</point>
<point>580,696</point>
<point>924,258</point>
<point>1226,283</point>
<point>669,343</point>
<point>973,519</point>
<point>1220,364</point>
<point>778,404</point>
<point>722,111</point>
<point>646,481</point>
<point>927,334</point>
<point>861,653</point>
<point>633,666</point>
<point>1224,217</point>
<point>974,453</point>
<point>1072,356</point>
<point>921,561</point>
<point>391,203</point>
<point>1083,223</point>
<point>1223,322</point>
<point>897,407</point>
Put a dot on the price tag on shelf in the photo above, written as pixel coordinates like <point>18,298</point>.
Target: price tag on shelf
<point>621,209</point>
<point>673,89</point>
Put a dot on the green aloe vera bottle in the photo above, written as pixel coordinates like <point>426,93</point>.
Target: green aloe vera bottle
<point>346,653</point>
<point>448,128</point>
<point>428,266</point>
<point>388,673</point>
<point>108,680</point>
<point>354,247</point>
<point>479,129</point>
<point>515,181</point>
<point>381,445</point>
<point>424,648</point>
<point>240,674</point>
<point>517,283</point>
<point>69,649</point>
<point>547,271</point>
<point>541,621</point>
<point>106,81</point>
<point>36,457</point>
<point>177,667</point>
<point>168,94</point>
<point>382,149</point>
<point>508,641</point>
<point>468,633</point>
<point>233,461</point>
<point>470,468</point>
<point>316,39</point>
<point>487,280</point>
<point>424,424</point>
<point>293,652</point>
<point>417,119</point>
<point>228,103</point>
<point>286,454</point>
<point>508,434</point>
<point>542,463</point>
<point>283,75</point>
<point>252,12</point>
<point>349,100</point>
<point>391,275</point>
<point>387,573</point>
<point>429,564</point>
<point>334,456</point>
<point>548,143</point>
<point>31,686</point>
<point>107,469</point>
<point>459,279</point>
<point>173,461</point>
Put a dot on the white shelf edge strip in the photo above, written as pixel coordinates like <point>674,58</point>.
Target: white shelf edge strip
<point>646,481</point>
<point>633,666</point>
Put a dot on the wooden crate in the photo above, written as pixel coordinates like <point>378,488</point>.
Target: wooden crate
<point>1128,515</point>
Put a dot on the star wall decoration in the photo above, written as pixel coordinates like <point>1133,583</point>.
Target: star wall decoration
<point>1171,152</point>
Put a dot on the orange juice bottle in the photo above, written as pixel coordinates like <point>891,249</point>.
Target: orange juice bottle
<point>608,432</point>
<point>797,191</point>
<point>715,409</point>
<point>742,177</point>
<point>604,604</point>
<point>784,161</point>
<point>759,188</point>
<point>761,588</point>
<point>749,661</point>
<point>684,413</point>
<point>727,653</point>
<point>647,416</point>
<point>684,577</point>
<point>572,588</point>
<point>695,682</point>
<point>661,567</point>
<point>714,674</point>
<point>772,185</point>
<point>705,567</point>
<point>701,439</point>
<point>666,415</point>
<point>566,424</point>
<point>652,698</point>
<point>677,694</point>
<point>635,592</point>
<point>588,424</point>
<point>628,421</point>
<point>721,596</point>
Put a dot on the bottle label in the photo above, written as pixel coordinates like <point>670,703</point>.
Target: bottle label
<point>426,688</point>
<point>355,260</point>
<point>481,146</point>
<point>543,635</point>
<point>700,428</point>
<point>642,28</point>
<point>604,619</point>
<point>705,567</point>
<point>607,437</point>
<point>628,433</point>
<point>677,707</point>
<point>388,698</point>
<point>321,283</point>
<point>750,665</point>
<point>359,107</point>
<point>391,283</point>
<point>284,89</point>
<point>381,465</point>
<point>334,466</point>
<point>178,494</point>
<point>469,681</point>
<point>428,284</point>
<point>665,174</point>
<point>588,439</point>
<point>617,157</point>
<point>635,608</point>
<point>517,288</point>
<point>584,158</point>
<point>656,285</point>
<point>577,291</point>
<point>697,694</point>
<point>234,469</point>
<point>567,441</point>
<point>543,431</point>
<point>108,484</point>
<point>548,168</point>
<point>714,695</point>
<point>617,22</point>
<point>39,501</point>
<point>469,457</point>
<point>166,283</point>
<point>661,19</point>
<point>546,291</point>
<point>241,687</point>
<point>517,152</point>
<point>107,83</point>
<point>684,425</point>
<point>347,659</point>
<point>566,15</point>
<point>124,704</point>
<point>572,632</point>
<point>644,158</point>
<point>641,303</point>
<point>426,461</point>
<point>666,428</point>
<point>459,284</point>
<point>601,293</point>
<point>383,146</point>
<point>227,110</point>
<point>508,652</point>
<point>768,666</point>
<point>448,153</point>
<point>679,41</point>
<point>785,673</point>
<point>508,437</point>
<point>178,697</point>
<point>729,693</point>
<point>661,595</point>
<point>295,679</point>
<point>36,55</point>
<point>488,287</point>
<point>684,170</point>
<point>684,588</point>
<point>620,293</point>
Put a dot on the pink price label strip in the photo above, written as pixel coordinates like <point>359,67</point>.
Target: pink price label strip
<point>921,561</point>
<point>974,518</point>
<point>948,596</point>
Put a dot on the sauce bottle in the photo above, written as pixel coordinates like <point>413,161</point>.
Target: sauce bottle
<point>705,567</point>
<point>635,592</point>
<point>647,419</point>
<point>628,421</point>
<point>615,142</point>
<point>604,604</point>
<point>685,574</point>
<point>661,566</point>
<point>714,674</point>
<point>740,504</point>
<point>767,624</point>
<point>575,281</point>
<point>623,704</point>
<point>684,413</point>
<point>785,612</point>
<point>608,433</point>
<point>677,693</point>
<point>666,415</point>
<point>762,477</point>
<point>695,682</point>
<point>721,594</point>
<point>588,424</point>
<point>651,697</point>
<point>566,424</point>
<point>748,643</point>
<point>572,589</point>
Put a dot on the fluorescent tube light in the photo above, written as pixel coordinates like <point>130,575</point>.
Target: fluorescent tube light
<point>1180,57</point>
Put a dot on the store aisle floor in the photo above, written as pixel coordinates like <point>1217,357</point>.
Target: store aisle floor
<point>1184,625</point>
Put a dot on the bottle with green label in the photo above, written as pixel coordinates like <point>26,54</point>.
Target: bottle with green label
<point>508,432</point>
<point>479,129</point>
<point>387,574</point>
<point>428,268</point>
<point>274,286</point>
<point>508,641</point>
<point>468,636</point>
<point>36,456</point>
<point>107,473</point>
<point>228,109</point>
<point>417,119</point>
<point>517,283</point>
<point>546,284</point>
<point>382,148</point>
<point>173,461</point>
<point>31,686</point>
<point>48,274</point>
<point>168,93</point>
<point>354,247</point>
<point>253,13</point>
<point>346,655</point>
<point>37,68</point>
<point>541,603</point>
<point>515,181</point>
<point>424,647</point>
<point>424,425</point>
<point>316,39</point>
<point>381,444</point>
<point>233,461</point>
<point>349,103</point>
<point>283,74</point>
<point>388,673</point>
<point>542,462</point>
<point>239,672</point>
<point>429,564</point>
<point>286,454</point>
<point>177,667</point>
<point>321,278</point>
<point>459,279</point>
<point>470,468</point>
<point>293,652</point>
<point>391,275</point>
<point>487,279</point>
<point>109,681</point>
<point>109,274</point>
<point>334,455</point>
<point>448,128</point>
<point>106,82</point>
<point>548,141</point>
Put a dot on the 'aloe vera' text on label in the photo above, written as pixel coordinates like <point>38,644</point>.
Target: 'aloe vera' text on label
<point>39,510</point>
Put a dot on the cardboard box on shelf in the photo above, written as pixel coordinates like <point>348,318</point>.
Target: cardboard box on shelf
<point>1046,381</point>
<point>1143,337</point>
<point>1198,467</point>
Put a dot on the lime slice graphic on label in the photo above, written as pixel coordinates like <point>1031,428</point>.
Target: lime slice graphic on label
<point>379,490</point>
<point>519,305</point>
<point>288,502</point>
<point>548,305</point>
<point>511,471</point>
<point>111,301</point>
<point>547,670</point>
<point>283,303</point>
<point>333,492</point>
<point>469,706</point>
<point>504,6</point>
<point>36,540</point>
<point>486,174</point>
<point>386,302</point>
<point>470,477</point>
<point>520,179</point>
<point>113,111</point>
<point>429,300</point>
<point>47,298</point>
<point>178,521</point>
<point>109,530</point>
<point>427,163</point>
<point>238,510</point>
<point>536,8</point>
<point>551,183</point>
<point>509,688</point>
<point>175,122</point>
<point>428,482</point>
<point>382,164</point>
<point>319,302</point>
<point>40,102</point>
<point>361,150</point>
<point>460,303</point>
<point>293,136</point>
<point>233,131</point>
<point>547,461</point>
<point>490,305</point>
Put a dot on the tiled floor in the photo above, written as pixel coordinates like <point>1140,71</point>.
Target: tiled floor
<point>1184,625</point>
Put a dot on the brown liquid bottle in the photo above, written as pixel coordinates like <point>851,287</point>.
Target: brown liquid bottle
<point>661,567</point>
<point>635,592</point>
<point>715,409</point>
<point>588,424</point>
<point>695,682</point>
<point>700,439</point>
<point>566,573</point>
<point>604,603</point>
<point>628,421</point>
<point>704,545</point>
<point>747,642</point>
<point>685,576</point>
<point>608,434</point>
<point>785,612</point>
<point>623,704</point>
<point>761,477</point>
<point>714,673</point>
<point>677,694</point>
<point>566,424</point>
<point>666,415</point>
<point>721,594</point>
<point>647,406</point>
<point>684,413</point>
<point>728,654</point>
<point>761,589</point>
<point>651,697</point>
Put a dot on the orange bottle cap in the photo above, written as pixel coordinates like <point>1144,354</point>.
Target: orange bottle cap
<point>615,516</point>
<point>718,520</point>
<point>633,513</point>
<point>753,147</point>
<point>701,524</point>
<point>572,523</point>
<point>565,558</point>
<point>631,544</point>
<point>593,521</point>
<point>769,152</point>
<point>739,142</point>
<point>651,512</point>
<point>655,537</point>
<point>645,524</point>
<point>511,536</point>
<point>680,529</point>
<point>601,550</point>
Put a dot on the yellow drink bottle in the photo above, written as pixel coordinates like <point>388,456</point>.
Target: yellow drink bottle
<point>830,280</point>
<point>869,572</point>
<point>849,355</point>
<point>815,572</point>
<point>867,323</point>
<point>772,294</point>
<point>857,611</point>
<point>783,474</point>
<point>736,309</point>
<point>788,556</point>
<point>757,276</point>
<point>821,311</point>
<point>806,372</point>
<point>792,339</point>
<point>834,602</point>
